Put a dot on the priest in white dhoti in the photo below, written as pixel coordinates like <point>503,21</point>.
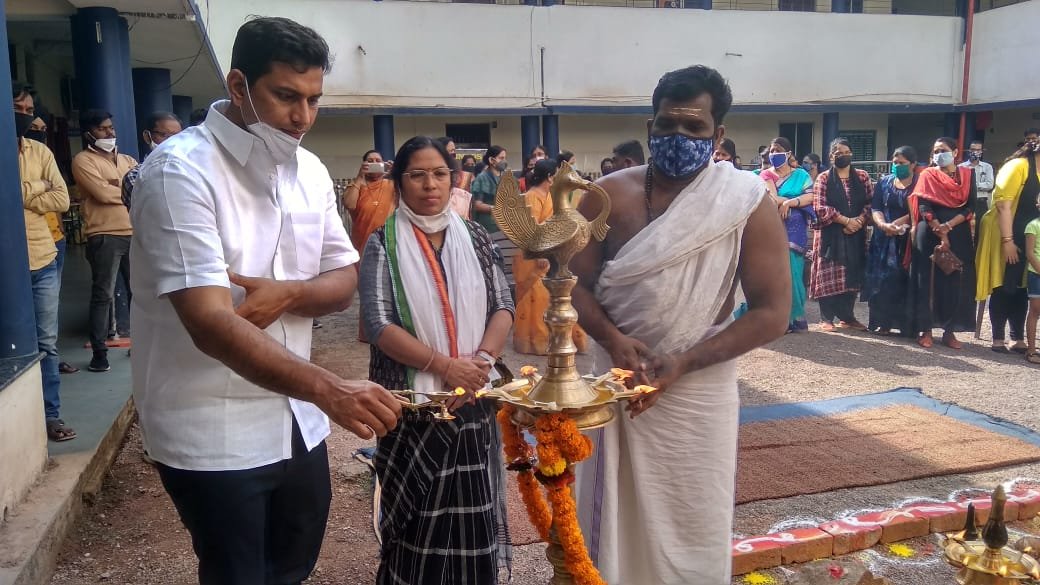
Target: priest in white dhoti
<point>655,500</point>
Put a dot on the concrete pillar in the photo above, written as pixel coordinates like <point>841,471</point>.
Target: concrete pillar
<point>182,107</point>
<point>830,132</point>
<point>530,135</point>
<point>383,134</point>
<point>101,57</point>
<point>841,6</point>
<point>551,134</point>
<point>17,315</point>
<point>151,94</point>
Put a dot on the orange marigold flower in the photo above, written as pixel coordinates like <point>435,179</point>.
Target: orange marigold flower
<point>645,389</point>
<point>528,371</point>
<point>460,391</point>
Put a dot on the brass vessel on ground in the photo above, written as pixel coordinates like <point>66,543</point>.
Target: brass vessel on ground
<point>989,561</point>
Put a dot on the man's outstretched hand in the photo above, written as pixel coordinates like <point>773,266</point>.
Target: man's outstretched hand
<point>363,408</point>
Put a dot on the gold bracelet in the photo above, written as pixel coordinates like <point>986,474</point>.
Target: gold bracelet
<point>1007,238</point>
<point>433,353</point>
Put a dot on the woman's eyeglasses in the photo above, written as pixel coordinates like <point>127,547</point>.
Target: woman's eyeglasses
<point>419,175</point>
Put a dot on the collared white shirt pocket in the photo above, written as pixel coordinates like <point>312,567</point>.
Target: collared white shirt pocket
<point>307,232</point>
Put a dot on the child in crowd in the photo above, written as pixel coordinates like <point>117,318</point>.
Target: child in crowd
<point>1033,286</point>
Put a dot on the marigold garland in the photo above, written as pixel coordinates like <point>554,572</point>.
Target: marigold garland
<point>518,453</point>
<point>560,445</point>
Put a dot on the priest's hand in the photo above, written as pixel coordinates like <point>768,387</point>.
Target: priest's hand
<point>628,353</point>
<point>665,369</point>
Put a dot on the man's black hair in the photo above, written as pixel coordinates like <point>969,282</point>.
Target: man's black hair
<point>632,149</point>
<point>19,90</point>
<point>445,140</point>
<point>265,40</point>
<point>1031,131</point>
<point>685,84</point>
<point>157,117</point>
<point>93,119</point>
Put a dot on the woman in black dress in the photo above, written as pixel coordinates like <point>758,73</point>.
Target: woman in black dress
<point>943,202</point>
<point>888,276</point>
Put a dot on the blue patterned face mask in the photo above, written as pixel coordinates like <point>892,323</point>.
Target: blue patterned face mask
<point>679,157</point>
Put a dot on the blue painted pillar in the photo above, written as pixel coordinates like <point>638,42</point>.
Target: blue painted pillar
<point>151,94</point>
<point>551,134</point>
<point>17,315</point>
<point>530,134</point>
<point>548,2</point>
<point>182,107</point>
<point>383,131</point>
<point>702,4</point>
<point>830,132</point>
<point>101,58</point>
<point>841,6</point>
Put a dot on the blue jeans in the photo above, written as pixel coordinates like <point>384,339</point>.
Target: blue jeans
<point>46,283</point>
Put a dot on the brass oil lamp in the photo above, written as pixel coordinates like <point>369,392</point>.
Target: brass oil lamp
<point>990,561</point>
<point>588,400</point>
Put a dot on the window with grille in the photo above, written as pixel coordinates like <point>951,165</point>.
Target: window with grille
<point>797,5</point>
<point>801,136</point>
<point>469,135</point>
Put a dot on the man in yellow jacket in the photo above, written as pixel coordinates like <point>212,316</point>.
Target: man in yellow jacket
<point>43,191</point>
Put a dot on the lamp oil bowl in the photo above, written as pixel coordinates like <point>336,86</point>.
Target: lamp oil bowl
<point>586,402</point>
<point>989,561</point>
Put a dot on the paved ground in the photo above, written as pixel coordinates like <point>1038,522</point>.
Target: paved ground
<point>132,535</point>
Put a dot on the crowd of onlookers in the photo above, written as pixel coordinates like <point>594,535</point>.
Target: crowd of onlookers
<point>925,244</point>
<point>103,181</point>
<point>920,245</point>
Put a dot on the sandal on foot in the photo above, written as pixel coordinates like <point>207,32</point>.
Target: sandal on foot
<point>925,340</point>
<point>827,326</point>
<point>1019,349</point>
<point>58,432</point>
<point>67,368</point>
<point>854,325</point>
<point>1033,356</point>
<point>951,341</point>
<point>1000,349</point>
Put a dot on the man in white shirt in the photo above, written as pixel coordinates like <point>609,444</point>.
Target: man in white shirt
<point>237,248</point>
<point>984,178</point>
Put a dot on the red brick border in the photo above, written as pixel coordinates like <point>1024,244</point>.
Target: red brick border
<point>845,535</point>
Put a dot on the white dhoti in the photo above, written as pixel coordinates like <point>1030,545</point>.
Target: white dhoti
<point>655,500</point>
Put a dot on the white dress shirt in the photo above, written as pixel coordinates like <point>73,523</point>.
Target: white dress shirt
<point>984,178</point>
<point>209,200</point>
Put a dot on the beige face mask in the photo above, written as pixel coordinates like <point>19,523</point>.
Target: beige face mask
<point>428,224</point>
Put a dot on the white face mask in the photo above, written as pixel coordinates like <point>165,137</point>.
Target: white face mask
<point>105,144</point>
<point>429,224</point>
<point>281,146</point>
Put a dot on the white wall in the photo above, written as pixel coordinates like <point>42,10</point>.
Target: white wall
<point>1004,66</point>
<point>403,53</point>
<point>23,438</point>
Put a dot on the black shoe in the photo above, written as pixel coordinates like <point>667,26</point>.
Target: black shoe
<point>316,324</point>
<point>99,363</point>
